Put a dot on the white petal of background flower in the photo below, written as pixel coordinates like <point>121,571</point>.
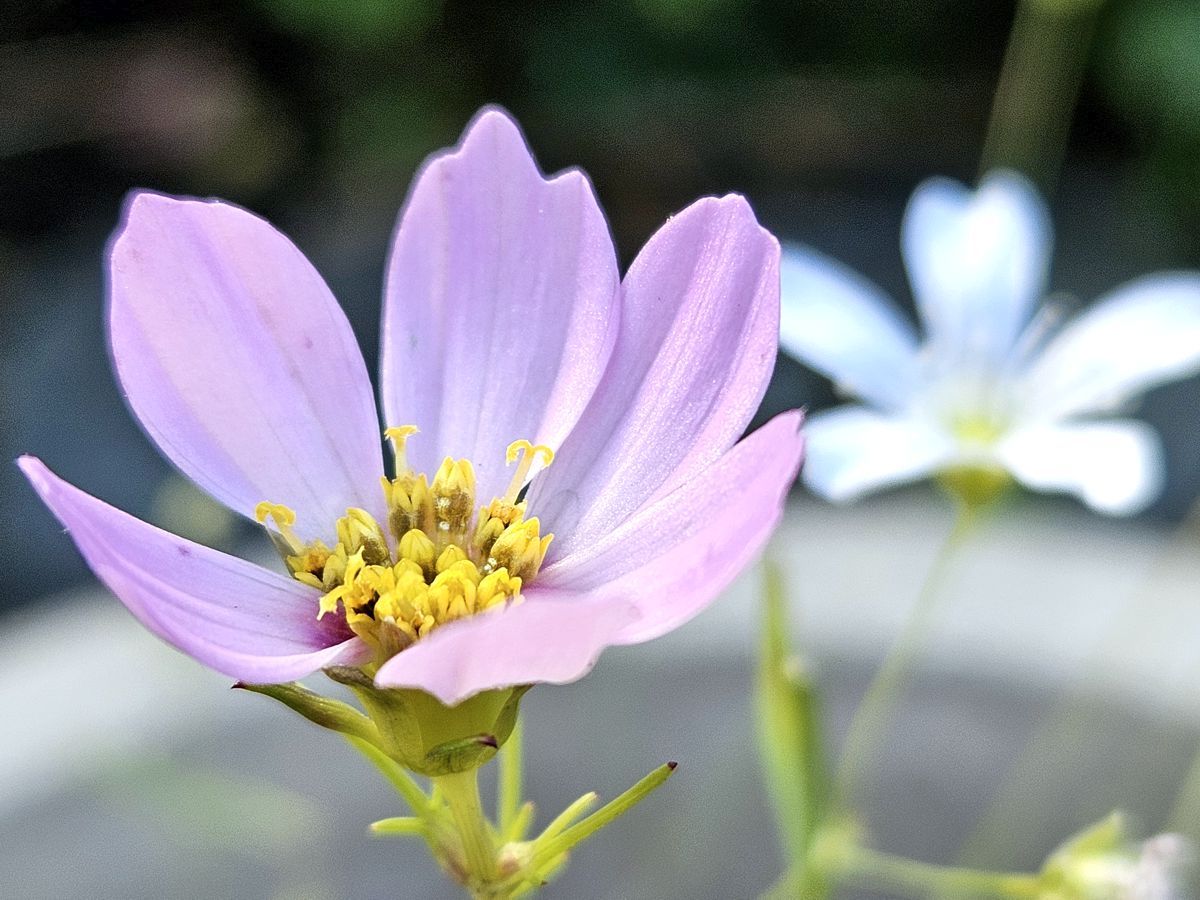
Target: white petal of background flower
<point>977,261</point>
<point>853,450</point>
<point>1115,466</point>
<point>846,328</point>
<point>1141,335</point>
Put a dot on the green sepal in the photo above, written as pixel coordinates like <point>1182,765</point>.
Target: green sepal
<point>460,755</point>
<point>323,711</point>
<point>428,737</point>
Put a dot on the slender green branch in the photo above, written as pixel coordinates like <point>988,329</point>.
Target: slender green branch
<point>869,725</point>
<point>569,816</point>
<point>399,826</point>
<point>917,879</point>
<point>548,851</point>
<point>417,800</point>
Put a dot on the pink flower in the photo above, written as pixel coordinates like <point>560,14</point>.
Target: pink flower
<point>507,336</point>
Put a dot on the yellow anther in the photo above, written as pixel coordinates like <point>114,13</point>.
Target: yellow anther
<point>416,546</point>
<point>405,598</point>
<point>399,435</point>
<point>409,503</point>
<point>520,549</point>
<point>453,492</point>
<point>405,566</point>
<point>528,454</point>
<point>485,535</point>
<point>349,592</point>
<point>358,530</point>
<point>496,588</point>
<point>454,476</point>
<point>451,555</point>
<point>452,593</point>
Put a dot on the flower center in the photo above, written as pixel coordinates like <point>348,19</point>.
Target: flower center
<point>447,559</point>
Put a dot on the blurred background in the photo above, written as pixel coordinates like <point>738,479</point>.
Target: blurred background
<point>825,113</point>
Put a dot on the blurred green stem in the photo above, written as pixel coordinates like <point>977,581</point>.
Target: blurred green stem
<point>1038,86</point>
<point>1185,817</point>
<point>789,737</point>
<point>870,721</point>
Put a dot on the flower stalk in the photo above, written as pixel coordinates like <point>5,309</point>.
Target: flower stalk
<point>869,724</point>
<point>460,791</point>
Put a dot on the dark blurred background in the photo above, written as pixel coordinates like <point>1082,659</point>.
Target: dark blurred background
<point>315,114</point>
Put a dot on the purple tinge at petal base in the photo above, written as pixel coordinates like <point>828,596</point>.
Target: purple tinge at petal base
<point>231,615</point>
<point>240,364</point>
<point>548,637</point>
<point>676,555</point>
<point>697,343</point>
<point>500,308</point>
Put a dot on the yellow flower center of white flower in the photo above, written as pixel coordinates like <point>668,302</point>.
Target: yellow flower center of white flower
<point>447,559</point>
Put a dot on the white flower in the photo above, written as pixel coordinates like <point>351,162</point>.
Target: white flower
<point>997,388</point>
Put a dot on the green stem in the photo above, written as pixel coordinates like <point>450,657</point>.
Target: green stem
<point>869,725</point>
<point>917,879</point>
<point>1038,86</point>
<point>461,793</point>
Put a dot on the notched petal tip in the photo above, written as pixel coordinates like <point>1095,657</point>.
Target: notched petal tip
<point>494,131</point>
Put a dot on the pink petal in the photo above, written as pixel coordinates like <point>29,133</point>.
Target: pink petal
<point>697,343</point>
<point>239,363</point>
<point>229,614</point>
<point>500,308</point>
<point>549,637</point>
<point>674,557</point>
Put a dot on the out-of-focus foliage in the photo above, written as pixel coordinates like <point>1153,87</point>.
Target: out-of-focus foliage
<point>1148,60</point>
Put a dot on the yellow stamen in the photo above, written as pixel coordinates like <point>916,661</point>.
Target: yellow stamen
<point>451,558</point>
